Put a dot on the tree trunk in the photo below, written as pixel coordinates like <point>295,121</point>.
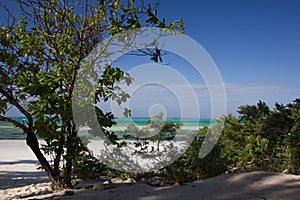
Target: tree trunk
<point>158,145</point>
<point>68,169</point>
<point>71,140</point>
<point>32,142</point>
<point>59,152</point>
<point>68,173</point>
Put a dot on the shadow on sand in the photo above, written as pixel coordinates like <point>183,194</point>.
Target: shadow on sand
<point>254,185</point>
<point>12,178</point>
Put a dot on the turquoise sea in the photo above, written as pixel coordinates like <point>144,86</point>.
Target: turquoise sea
<point>10,132</point>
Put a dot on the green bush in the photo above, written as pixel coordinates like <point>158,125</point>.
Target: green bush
<point>260,139</point>
<point>190,167</point>
<point>294,139</point>
<point>88,167</point>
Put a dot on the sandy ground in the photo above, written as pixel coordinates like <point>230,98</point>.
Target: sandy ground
<point>255,185</point>
<point>19,179</point>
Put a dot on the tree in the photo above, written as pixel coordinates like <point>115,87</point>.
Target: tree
<point>294,137</point>
<point>164,130</point>
<point>156,130</point>
<point>244,140</point>
<point>259,139</point>
<point>254,112</point>
<point>263,139</point>
<point>40,57</point>
<point>190,167</point>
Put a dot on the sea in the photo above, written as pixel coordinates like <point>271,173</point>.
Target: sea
<point>10,132</point>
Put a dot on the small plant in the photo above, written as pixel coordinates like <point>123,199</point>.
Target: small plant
<point>88,167</point>
<point>157,130</point>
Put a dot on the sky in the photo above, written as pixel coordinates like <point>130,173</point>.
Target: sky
<point>255,45</point>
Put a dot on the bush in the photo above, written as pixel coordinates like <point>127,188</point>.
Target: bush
<point>260,139</point>
<point>190,167</point>
<point>88,167</point>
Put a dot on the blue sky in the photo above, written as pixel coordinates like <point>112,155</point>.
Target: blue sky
<point>255,44</point>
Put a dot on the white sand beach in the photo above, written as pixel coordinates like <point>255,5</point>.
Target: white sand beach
<point>19,179</point>
<point>19,176</point>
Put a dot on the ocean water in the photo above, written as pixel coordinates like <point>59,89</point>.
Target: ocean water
<point>10,132</point>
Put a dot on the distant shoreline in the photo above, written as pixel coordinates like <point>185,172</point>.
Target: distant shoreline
<point>10,132</point>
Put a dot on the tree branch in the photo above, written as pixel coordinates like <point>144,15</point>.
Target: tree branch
<point>14,102</point>
<point>17,124</point>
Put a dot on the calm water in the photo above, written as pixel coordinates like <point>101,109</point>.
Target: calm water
<point>10,132</point>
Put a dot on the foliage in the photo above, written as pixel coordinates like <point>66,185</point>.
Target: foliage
<point>262,139</point>
<point>163,130</point>
<point>88,167</point>
<point>156,130</point>
<point>189,167</point>
<point>294,137</point>
<point>40,57</point>
<point>39,60</point>
<point>243,146</point>
<point>259,139</point>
